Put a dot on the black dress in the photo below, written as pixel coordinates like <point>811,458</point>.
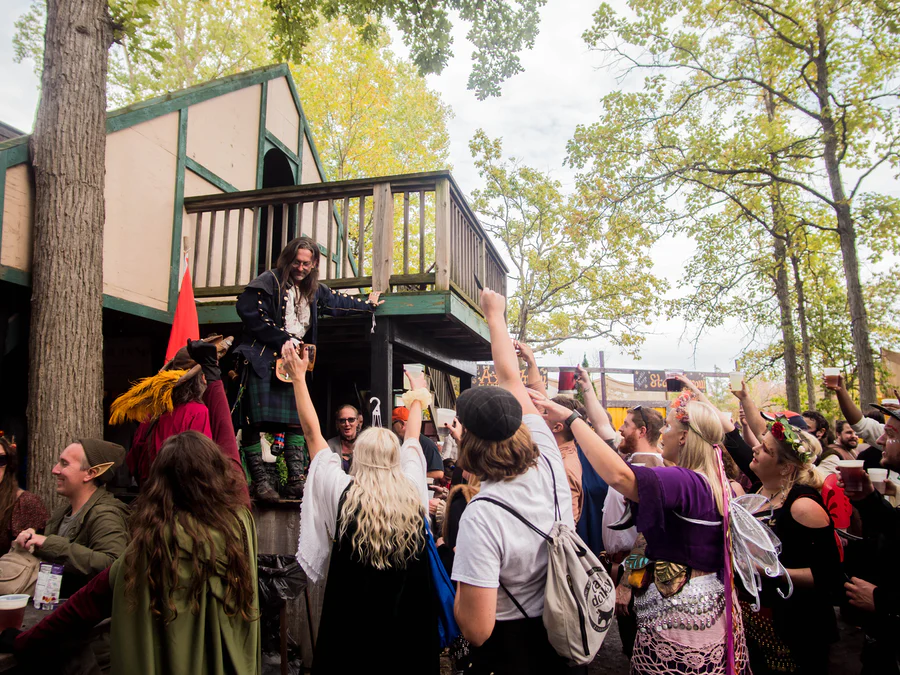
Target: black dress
<point>793,634</point>
<point>375,620</point>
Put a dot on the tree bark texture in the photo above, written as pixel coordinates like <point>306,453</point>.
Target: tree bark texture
<point>859,321</point>
<point>783,293</point>
<point>68,149</point>
<point>804,335</point>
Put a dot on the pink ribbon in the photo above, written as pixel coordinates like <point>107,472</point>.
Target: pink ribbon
<point>729,573</point>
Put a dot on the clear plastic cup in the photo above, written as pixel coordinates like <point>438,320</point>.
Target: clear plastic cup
<point>890,401</point>
<point>735,379</point>
<point>852,472</point>
<point>444,416</point>
<point>832,376</point>
<point>878,478</point>
<point>412,370</point>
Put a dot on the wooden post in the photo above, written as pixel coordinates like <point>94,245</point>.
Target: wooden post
<point>602,380</point>
<point>382,237</point>
<point>442,235</point>
<point>382,372</point>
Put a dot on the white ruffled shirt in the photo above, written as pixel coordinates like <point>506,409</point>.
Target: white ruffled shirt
<point>325,484</point>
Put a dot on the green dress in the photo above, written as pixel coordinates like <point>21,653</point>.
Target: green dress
<point>203,643</point>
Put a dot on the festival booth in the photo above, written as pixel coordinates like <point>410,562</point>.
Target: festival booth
<point>216,179</point>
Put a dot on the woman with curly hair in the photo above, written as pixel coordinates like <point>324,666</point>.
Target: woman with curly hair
<point>367,530</point>
<point>793,634</point>
<point>19,510</point>
<point>183,596</point>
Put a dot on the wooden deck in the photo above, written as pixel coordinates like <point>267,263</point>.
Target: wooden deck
<point>413,237</point>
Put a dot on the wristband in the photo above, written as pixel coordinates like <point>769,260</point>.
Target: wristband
<point>571,418</point>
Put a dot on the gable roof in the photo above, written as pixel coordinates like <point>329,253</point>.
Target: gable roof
<point>142,111</point>
<point>7,132</point>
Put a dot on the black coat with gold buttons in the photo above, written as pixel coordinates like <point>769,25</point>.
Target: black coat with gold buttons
<point>261,307</point>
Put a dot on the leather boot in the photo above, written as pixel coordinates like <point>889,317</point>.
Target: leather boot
<point>297,460</point>
<point>262,487</point>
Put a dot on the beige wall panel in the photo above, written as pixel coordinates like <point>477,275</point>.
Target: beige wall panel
<point>18,219</point>
<point>282,117</point>
<point>223,135</point>
<point>140,200</point>
<point>310,172</point>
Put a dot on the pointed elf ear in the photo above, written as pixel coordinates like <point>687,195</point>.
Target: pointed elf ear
<point>101,468</point>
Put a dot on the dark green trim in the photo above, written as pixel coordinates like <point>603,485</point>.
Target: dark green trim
<point>261,138</point>
<point>291,155</point>
<point>175,264</point>
<point>136,309</point>
<point>312,148</point>
<point>460,309</point>
<point>301,131</point>
<point>162,105</point>
<point>217,313</point>
<point>15,276</point>
<point>16,150</point>
<point>208,176</point>
<point>414,304</point>
<point>143,111</point>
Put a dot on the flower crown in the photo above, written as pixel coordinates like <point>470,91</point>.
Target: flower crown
<point>785,433</point>
<point>679,407</point>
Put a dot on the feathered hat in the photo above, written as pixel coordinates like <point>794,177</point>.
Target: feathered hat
<point>151,397</point>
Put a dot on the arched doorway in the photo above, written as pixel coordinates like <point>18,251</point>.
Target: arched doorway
<point>277,172</point>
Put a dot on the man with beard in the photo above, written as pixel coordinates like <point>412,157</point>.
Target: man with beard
<point>844,447</point>
<point>878,594</point>
<point>282,305</point>
<point>349,423</point>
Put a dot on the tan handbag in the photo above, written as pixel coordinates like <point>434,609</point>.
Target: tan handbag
<point>18,572</point>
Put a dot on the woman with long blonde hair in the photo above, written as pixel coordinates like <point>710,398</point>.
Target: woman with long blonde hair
<point>680,598</point>
<point>367,531</point>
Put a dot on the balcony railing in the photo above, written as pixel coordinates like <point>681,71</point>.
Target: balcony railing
<point>413,232</point>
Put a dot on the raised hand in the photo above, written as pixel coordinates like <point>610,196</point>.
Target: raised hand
<point>492,303</point>
<point>552,412</point>
<point>295,364</point>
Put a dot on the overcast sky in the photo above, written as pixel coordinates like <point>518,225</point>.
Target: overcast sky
<point>536,115</point>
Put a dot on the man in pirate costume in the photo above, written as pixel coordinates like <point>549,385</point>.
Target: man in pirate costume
<point>282,305</point>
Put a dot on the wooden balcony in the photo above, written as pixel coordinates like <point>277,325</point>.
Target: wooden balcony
<point>411,236</point>
<point>412,232</point>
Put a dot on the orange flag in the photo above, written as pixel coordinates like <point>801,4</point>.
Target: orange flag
<point>185,325</point>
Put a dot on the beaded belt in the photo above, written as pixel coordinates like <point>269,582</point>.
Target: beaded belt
<point>697,606</point>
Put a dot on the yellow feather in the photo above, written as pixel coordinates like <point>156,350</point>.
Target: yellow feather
<point>147,399</point>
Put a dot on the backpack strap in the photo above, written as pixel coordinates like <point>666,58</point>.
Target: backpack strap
<point>553,481</point>
<point>514,601</point>
<point>513,512</point>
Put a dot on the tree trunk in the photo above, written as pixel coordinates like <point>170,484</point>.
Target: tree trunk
<point>804,335</point>
<point>65,380</point>
<point>859,321</point>
<point>783,293</point>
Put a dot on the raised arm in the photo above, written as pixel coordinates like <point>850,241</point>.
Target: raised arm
<point>414,423</point>
<point>533,379</point>
<point>754,419</point>
<point>506,365</point>
<point>595,411</point>
<point>296,366</point>
<point>606,461</point>
<point>849,409</point>
<point>724,417</point>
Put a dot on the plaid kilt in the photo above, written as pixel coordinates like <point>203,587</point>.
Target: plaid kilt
<point>270,402</point>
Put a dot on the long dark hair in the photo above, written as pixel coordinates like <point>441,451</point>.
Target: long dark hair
<point>9,487</point>
<point>192,485</point>
<point>288,256</point>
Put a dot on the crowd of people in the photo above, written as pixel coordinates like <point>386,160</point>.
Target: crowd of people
<point>730,546</point>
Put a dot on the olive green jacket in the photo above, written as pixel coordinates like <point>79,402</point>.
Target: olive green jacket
<point>94,542</point>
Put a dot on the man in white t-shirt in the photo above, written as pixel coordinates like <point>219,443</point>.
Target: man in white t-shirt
<point>509,447</point>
